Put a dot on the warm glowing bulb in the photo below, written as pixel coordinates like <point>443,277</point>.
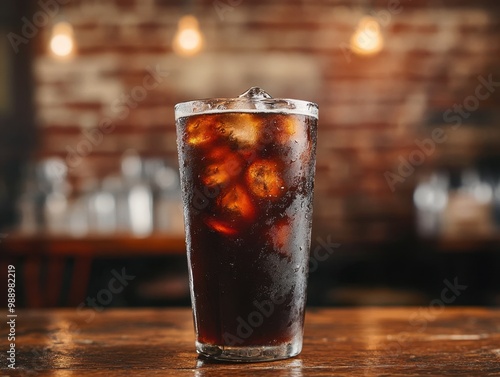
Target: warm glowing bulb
<point>61,42</point>
<point>367,39</point>
<point>61,45</point>
<point>188,40</point>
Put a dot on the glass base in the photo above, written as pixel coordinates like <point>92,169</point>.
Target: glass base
<point>248,354</point>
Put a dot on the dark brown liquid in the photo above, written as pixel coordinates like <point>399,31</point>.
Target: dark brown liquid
<point>247,186</point>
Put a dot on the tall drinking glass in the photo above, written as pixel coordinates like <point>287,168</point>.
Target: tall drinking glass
<point>247,174</point>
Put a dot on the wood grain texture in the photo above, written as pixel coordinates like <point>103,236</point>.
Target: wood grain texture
<point>160,342</point>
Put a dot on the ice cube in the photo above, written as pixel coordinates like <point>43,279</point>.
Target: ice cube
<point>264,179</point>
<point>292,133</point>
<point>201,130</point>
<point>215,175</point>
<point>242,128</point>
<point>290,128</point>
<point>280,234</point>
<point>255,93</point>
<point>237,204</point>
<point>220,226</point>
<point>224,164</point>
<point>235,212</point>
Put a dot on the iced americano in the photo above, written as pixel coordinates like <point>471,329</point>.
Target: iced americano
<point>247,167</point>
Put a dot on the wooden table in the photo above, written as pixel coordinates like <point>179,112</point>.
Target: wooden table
<point>159,342</point>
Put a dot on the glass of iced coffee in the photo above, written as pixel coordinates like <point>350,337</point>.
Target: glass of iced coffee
<point>247,173</point>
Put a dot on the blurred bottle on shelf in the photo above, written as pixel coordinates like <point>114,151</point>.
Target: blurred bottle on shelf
<point>30,204</point>
<point>496,204</point>
<point>470,212</point>
<point>430,199</point>
<point>106,202</point>
<point>143,199</point>
<point>468,207</point>
<point>78,224</point>
<point>100,206</point>
<point>168,205</point>
<point>52,179</point>
<point>139,195</point>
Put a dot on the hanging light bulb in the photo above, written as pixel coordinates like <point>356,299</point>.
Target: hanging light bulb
<point>188,39</point>
<point>62,42</point>
<point>367,39</point>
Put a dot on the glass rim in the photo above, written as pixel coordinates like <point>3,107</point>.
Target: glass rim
<point>286,106</point>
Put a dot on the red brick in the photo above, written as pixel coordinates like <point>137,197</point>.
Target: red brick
<point>371,108</point>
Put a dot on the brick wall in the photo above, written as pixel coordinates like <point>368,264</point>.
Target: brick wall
<point>371,108</point>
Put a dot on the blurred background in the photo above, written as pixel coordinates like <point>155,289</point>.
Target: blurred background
<point>407,197</point>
